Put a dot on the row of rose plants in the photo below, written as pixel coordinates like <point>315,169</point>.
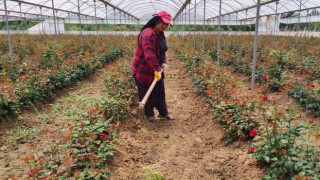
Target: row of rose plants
<point>86,150</point>
<point>291,67</point>
<point>280,140</point>
<point>284,63</point>
<point>34,76</point>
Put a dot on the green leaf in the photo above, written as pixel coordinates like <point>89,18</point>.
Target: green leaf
<point>289,164</point>
<point>284,141</point>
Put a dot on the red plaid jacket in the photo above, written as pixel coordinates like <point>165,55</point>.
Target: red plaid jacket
<point>146,58</point>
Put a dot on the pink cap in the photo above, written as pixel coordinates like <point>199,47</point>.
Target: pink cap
<point>166,17</point>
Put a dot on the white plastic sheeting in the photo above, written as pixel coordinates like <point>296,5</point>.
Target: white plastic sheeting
<point>143,9</point>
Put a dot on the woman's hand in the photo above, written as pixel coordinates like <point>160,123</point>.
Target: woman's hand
<point>164,66</point>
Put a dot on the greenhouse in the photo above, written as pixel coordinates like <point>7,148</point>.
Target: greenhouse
<point>160,89</point>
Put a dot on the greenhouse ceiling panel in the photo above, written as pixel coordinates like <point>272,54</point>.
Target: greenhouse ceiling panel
<point>143,9</point>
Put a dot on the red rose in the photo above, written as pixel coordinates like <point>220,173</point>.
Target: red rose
<point>103,136</point>
<point>265,97</point>
<point>30,174</point>
<point>311,120</point>
<point>312,86</point>
<point>264,77</point>
<point>253,133</point>
<point>252,149</point>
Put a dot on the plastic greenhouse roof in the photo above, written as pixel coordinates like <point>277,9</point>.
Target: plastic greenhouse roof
<point>143,9</point>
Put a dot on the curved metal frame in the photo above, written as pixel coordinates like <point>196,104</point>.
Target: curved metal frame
<point>137,9</point>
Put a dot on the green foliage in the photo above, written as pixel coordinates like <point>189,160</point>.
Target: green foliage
<point>33,89</point>
<point>235,123</point>
<point>85,151</point>
<point>19,25</point>
<point>50,58</point>
<point>275,66</point>
<point>287,147</point>
<point>152,174</point>
<point>307,98</point>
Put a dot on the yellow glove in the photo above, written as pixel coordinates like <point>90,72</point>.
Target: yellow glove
<point>157,74</point>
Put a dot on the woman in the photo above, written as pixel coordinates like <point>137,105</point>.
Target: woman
<point>148,61</point>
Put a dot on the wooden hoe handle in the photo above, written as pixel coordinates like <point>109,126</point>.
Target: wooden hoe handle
<point>145,98</point>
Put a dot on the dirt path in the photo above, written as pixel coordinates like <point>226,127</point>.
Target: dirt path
<point>55,117</point>
<point>188,148</point>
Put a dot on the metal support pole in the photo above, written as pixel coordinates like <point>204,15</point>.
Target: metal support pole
<point>254,61</point>
<point>79,17</point>
<point>114,18</point>
<point>298,28</point>
<point>107,18</point>
<point>237,29</point>
<point>21,17</point>
<point>8,30</point>
<point>185,21</point>
<point>246,20</point>
<point>95,16</point>
<point>309,21</point>
<point>69,21</point>
<point>182,20</point>
<point>54,22</point>
<point>189,15</point>
<point>276,19</point>
<point>194,29</point>
<point>42,20</point>
<point>219,33</point>
<point>125,22</point>
<point>179,24</point>
<point>229,24</point>
<point>57,22</point>
<point>204,24</point>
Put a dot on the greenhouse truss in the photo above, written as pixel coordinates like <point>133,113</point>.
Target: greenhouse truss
<point>139,10</point>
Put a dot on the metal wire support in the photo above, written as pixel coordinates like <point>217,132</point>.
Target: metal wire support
<point>255,48</point>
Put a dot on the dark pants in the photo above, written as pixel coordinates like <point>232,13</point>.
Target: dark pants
<point>157,98</point>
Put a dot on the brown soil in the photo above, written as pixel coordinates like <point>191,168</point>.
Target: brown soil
<point>56,122</point>
<point>189,147</point>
